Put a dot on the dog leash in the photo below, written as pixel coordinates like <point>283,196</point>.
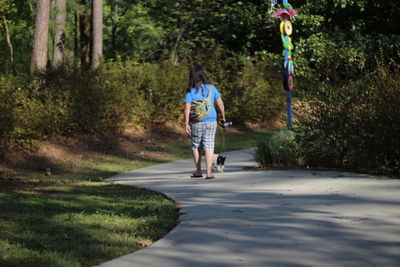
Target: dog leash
<point>223,131</point>
<point>223,145</point>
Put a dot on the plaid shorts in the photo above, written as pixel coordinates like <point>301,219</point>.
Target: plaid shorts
<point>203,135</point>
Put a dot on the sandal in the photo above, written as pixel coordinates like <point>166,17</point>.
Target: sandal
<point>210,177</point>
<point>194,175</point>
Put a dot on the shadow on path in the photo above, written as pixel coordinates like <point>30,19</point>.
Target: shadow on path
<point>272,218</point>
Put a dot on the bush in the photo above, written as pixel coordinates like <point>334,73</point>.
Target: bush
<point>167,92</point>
<point>23,113</point>
<point>251,89</point>
<point>280,149</point>
<point>108,98</point>
<point>354,126</point>
<point>254,96</point>
<point>8,105</point>
<point>381,121</point>
<point>120,94</point>
<point>330,128</point>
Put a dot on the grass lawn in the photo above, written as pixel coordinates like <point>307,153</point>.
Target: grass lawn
<point>73,218</point>
<point>79,224</point>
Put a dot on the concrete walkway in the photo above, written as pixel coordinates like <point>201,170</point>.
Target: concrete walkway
<point>271,218</point>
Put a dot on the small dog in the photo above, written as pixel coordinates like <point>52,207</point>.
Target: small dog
<point>218,163</point>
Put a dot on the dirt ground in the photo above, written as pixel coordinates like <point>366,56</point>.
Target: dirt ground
<point>73,149</point>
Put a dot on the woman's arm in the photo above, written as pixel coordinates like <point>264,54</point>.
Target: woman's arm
<point>220,105</point>
<point>187,113</point>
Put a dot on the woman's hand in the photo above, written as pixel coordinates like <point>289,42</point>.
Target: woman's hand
<point>220,105</point>
<point>188,130</point>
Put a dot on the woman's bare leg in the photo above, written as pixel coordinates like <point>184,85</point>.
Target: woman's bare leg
<point>209,160</point>
<point>197,161</point>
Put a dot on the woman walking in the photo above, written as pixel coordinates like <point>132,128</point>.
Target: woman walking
<point>201,117</point>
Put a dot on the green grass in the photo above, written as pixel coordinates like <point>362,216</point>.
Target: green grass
<point>234,141</point>
<point>86,223</point>
<point>71,219</point>
<point>96,169</point>
<point>239,141</point>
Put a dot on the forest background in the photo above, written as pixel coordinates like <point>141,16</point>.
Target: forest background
<point>346,57</point>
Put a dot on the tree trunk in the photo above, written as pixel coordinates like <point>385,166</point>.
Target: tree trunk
<point>97,34</point>
<point>114,31</point>
<point>76,40</point>
<point>10,46</point>
<point>59,34</point>
<point>85,39</point>
<point>174,57</point>
<point>114,28</point>
<point>40,38</point>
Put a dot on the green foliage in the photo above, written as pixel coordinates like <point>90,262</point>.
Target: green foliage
<point>120,94</point>
<point>18,16</point>
<point>327,132</point>
<point>329,61</point>
<point>242,27</point>
<point>336,41</point>
<point>7,106</point>
<point>130,32</point>
<point>278,149</point>
<point>381,121</point>
<point>251,88</point>
<point>21,114</point>
<point>99,100</point>
<point>354,126</point>
<point>155,30</point>
<point>5,5</point>
<point>255,95</point>
<point>168,92</point>
<point>125,93</point>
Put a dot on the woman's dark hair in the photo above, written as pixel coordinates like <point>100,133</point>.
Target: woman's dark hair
<point>197,76</point>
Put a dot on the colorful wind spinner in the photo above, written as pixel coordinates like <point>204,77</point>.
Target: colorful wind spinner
<point>285,13</point>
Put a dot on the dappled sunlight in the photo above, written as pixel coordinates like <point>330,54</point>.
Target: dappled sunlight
<point>82,222</point>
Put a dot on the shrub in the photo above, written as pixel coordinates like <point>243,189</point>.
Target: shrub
<point>251,89</point>
<point>280,149</point>
<point>167,92</point>
<point>8,106</point>
<point>254,96</point>
<point>354,126</point>
<point>119,94</point>
<point>21,112</point>
<point>108,98</point>
<point>330,129</point>
<point>381,121</point>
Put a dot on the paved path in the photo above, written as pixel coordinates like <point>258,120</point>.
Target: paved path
<point>271,218</point>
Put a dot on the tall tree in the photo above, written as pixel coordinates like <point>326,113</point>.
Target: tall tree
<point>59,33</point>
<point>76,38</point>
<point>6,5</point>
<point>84,36</point>
<point>9,43</point>
<point>40,38</point>
<point>97,33</point>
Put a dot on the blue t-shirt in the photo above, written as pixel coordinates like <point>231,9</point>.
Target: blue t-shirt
<point>202,93</point>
